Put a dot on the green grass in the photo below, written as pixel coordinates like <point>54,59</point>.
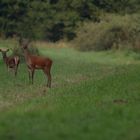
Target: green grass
<point>94,96</point>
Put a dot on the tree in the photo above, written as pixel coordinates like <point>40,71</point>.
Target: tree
<point>55,19</point>
<point>118,6</point>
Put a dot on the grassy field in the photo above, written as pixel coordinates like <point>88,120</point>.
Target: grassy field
<point>94,96</point>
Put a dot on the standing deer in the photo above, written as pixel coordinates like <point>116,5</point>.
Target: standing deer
<point>11,61</point>
<point>34,62</point>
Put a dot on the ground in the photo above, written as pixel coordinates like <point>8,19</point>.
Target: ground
<point>94,95</point>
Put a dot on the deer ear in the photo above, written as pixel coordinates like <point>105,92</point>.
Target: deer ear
<point>1,50</point>
<point>7,50</point>
<point>11,49</point>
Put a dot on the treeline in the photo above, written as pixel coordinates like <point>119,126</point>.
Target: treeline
<point>53,20</point>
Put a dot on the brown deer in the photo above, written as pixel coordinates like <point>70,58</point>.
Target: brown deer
<point>34,62</point>
<point>11,61</point>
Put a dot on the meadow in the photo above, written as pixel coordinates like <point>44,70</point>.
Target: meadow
<point>94,96</point>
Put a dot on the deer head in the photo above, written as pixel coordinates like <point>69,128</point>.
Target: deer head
<point>4,51</point>
<point>24,43</point>
<point>11,61</point>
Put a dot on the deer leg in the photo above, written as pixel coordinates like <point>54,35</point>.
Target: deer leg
<point>48,74</point>
<point>32,75</point>
<point>29,71</point>
<point>15,69</point>
<point>49,80</point>
<point>8,68</point>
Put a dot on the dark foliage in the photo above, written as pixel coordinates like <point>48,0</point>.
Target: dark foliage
<point>55,19</point>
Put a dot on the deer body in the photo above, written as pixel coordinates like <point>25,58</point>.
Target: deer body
<point>34,62</point>
<point>11,62</point>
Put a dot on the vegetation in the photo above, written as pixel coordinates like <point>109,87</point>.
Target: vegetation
<point>93,96</point>
<point>45,19</point>
<point>53,20</point>
<point>113,32</point>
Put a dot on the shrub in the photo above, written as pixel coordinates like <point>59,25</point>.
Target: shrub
<point>114,31</point>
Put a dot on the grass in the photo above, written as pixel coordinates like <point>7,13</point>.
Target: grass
<point>93,96</point>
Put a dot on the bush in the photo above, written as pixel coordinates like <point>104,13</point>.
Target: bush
<point>113,31</point>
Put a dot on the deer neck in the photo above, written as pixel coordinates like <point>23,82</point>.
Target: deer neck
<point>27,56</point>
<point>4,57</point>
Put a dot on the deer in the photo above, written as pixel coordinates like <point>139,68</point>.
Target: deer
<point>35,62</point>
<point>12,62</point>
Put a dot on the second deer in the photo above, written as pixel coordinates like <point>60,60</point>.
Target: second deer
<point>11,62</point>
<point>34,62</point>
